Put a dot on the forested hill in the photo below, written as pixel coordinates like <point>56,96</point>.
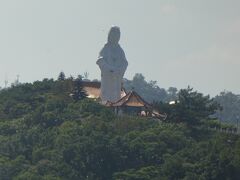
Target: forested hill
<point>45,134</point>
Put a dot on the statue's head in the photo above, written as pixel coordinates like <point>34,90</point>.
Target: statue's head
<point>114,35</point>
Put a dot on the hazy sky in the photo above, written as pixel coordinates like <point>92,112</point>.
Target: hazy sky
<point>178,43</point>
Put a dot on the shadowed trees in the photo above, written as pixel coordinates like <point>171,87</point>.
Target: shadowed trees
<point>78,92</point>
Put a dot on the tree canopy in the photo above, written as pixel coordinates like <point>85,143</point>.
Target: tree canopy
<point>46,134</point>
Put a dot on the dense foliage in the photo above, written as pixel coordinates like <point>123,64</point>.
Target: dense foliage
<point>191,107</point>
<point>46,134</point>
<point>150,91</point>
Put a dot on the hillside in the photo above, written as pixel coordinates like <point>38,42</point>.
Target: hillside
<point>45,134</point>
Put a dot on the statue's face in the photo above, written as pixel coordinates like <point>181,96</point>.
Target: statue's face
<point>114,35</point>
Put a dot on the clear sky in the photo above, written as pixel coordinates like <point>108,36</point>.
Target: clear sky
<point>178,43</point>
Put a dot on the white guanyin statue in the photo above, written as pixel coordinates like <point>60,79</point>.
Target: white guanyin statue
<point>113,64</point>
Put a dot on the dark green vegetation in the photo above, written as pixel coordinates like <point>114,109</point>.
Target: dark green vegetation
<point>47,134</point>
<point>150,91</point>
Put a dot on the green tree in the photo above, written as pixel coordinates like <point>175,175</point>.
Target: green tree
<point>61,76</point>
<point>78,91</point>
<point>192,107</point>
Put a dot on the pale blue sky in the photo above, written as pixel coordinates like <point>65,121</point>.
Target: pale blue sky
<point>177,43</point>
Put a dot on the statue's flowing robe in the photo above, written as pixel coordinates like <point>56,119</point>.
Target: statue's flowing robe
<point>113,64</point>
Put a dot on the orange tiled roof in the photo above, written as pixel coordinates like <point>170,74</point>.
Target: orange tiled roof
<point>131,99</point>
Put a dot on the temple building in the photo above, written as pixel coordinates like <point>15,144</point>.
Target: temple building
<point>130,103</point>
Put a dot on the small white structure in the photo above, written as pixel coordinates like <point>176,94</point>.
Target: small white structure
<point>113,64</point>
